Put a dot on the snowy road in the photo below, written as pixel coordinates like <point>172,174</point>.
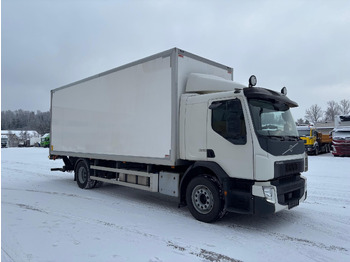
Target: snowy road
<point>46,217</point>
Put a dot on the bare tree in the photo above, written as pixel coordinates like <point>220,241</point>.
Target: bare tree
<point>333,109</point>
<point>314,113</point>
<point>344,107</point>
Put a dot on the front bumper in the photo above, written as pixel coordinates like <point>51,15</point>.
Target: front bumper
<point>341,148</point>
<point>310,148</point>
<point>247,197</point>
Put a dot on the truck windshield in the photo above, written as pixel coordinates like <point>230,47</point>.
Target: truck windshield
<point>304,132</point>
<point>341,135</point>
<point>272,119</point>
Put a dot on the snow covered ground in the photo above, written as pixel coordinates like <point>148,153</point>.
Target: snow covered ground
<point>46,217</point>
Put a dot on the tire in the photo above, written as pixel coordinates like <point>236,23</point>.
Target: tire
<point>204,199</point>
<point>82,172</point>
<point>316,151</point>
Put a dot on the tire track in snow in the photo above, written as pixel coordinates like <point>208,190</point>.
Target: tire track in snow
<point>203,253</point>
<point>27,207</point>
<point>309,242</point>
<point>48,192</point>
<point>302,241</point>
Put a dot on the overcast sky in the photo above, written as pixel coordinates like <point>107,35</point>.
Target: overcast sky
<point>303,45</point>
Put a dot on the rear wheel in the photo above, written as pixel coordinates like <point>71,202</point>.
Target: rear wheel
<point>204,199</point>
<point>82,172</point>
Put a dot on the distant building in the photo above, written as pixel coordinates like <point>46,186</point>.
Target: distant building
<point>17,138</point>
<point>8,139</point>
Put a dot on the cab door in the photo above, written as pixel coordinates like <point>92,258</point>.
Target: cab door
<point>229,142</point>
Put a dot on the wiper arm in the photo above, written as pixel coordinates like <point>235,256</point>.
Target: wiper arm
<point>283,138</point>
<point>278,137</point>
<point>294,138</point>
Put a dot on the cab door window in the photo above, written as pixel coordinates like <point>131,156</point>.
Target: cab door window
<point>227,119</point>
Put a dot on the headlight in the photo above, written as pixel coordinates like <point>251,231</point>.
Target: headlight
<point>270,194</point>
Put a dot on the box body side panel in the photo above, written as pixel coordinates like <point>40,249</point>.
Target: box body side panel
<point>123,113</point>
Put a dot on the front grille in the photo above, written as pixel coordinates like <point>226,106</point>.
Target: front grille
<point>286,168</point>
<point>291,168</point>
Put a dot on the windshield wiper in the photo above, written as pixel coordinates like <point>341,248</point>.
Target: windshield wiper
<point>278,137</point>
<point>283,138</point>
<point>293,138</point>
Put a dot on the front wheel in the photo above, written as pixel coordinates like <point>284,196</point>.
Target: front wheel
<point>204,199</point>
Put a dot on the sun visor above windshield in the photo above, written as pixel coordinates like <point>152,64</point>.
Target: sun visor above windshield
<point>267,94</point>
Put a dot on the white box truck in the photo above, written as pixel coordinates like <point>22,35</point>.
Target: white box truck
<point>177,124</point>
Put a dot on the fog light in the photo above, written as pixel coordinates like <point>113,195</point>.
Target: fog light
<point>269,193</point>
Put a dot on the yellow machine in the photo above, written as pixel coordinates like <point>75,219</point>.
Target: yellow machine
<point>314,140</point>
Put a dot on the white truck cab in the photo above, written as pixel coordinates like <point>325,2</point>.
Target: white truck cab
<point>248,136</point>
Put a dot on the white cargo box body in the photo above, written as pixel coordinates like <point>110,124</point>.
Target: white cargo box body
<point>129,113</point>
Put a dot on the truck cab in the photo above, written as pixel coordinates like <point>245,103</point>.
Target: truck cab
<point>4,141</point>
<point>251,141</point>
<point>45,140</point>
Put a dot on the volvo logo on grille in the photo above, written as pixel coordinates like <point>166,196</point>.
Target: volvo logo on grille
<point>290,149</point>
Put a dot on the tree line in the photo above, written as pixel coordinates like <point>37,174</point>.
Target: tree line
<point>315,114</point>
<point>26,120</point>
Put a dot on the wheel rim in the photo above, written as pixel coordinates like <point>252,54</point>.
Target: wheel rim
<point>82,175</point>
<point>202,199</point>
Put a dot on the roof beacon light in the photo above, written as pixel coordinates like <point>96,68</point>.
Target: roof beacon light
<point>252,80</point>
<point>284,91</point>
